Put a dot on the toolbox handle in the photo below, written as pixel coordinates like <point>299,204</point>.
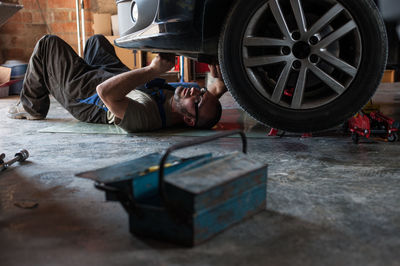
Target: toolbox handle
<point>126,200</point>
<point>189,143</point>
<point>105,188</point>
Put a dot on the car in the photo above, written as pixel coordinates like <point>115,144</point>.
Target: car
<point>295,65</point>
<point>390,10</point>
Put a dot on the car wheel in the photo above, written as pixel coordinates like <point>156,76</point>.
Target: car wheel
<point>302,65</point>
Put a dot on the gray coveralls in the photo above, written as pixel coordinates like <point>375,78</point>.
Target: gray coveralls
<point>55,68</point>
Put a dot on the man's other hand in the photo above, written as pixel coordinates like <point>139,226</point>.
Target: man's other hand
<point>218,87</point>
<point>215,71</point>
<point>163,62</point>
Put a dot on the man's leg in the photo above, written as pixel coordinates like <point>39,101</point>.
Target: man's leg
<point>34,99</point>
<point>100,53</point>
<point>55,68</point>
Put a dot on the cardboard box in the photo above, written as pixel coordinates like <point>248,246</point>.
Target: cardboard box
<point>114,25</point>
<point>388,76</point>
<point>102,23</point>
<point>149,57</point>
<point>127,56</point>
<point>5,76</point>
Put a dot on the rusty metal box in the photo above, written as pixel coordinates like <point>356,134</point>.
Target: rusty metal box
<point>185,200</point>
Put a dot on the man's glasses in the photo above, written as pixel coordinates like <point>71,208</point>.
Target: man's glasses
<point>196,104</point>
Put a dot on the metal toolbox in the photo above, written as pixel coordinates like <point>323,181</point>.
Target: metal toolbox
<point>185,200</point>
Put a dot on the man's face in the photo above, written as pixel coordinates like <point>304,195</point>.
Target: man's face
<point>185,103</point>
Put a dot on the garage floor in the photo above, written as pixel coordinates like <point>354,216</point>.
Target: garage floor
<point>330,202</point>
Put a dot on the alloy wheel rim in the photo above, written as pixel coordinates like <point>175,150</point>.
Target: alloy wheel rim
<point>299,55</point>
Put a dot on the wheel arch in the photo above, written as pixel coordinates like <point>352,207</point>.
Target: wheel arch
<point>213,16</point>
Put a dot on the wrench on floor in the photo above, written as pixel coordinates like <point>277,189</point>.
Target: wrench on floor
<point>21,156</point>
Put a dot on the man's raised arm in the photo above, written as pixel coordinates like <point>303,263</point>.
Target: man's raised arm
<point>113,91</point>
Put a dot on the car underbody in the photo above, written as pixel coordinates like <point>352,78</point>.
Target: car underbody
<point>298,65</point>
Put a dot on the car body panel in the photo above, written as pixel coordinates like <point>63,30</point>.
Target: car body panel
<point>192,27</point>
<point>183,26</point>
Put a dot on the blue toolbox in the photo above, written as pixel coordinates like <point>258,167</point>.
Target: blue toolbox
<point>185,200</point>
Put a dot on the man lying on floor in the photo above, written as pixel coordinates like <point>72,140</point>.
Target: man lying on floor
<point>101,89</point>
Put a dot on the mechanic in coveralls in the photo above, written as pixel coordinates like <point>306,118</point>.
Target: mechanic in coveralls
<point>101,89</point>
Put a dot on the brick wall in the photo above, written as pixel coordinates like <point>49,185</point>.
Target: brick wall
<point>39,17</point>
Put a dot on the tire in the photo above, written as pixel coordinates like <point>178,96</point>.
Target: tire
<point>263,66</point>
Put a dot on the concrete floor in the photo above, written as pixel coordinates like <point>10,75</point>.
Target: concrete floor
<point>330,202</point>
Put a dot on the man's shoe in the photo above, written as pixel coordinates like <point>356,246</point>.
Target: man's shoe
<point>17,111</point>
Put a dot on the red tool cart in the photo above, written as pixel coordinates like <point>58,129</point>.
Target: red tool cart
<point>374,123</point>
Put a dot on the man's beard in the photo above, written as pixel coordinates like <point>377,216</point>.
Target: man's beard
<point>178,104</point>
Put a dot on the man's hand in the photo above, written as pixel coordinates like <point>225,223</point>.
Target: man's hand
<point>162,63</point>
<point>215,71</point>
<point>218,87</point>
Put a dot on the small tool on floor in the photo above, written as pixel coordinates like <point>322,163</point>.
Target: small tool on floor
<point>20,156</point>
